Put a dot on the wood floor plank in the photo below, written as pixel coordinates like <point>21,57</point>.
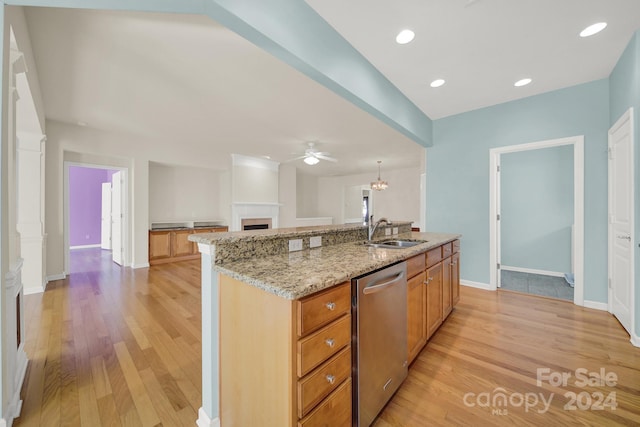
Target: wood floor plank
<point>111,346</point>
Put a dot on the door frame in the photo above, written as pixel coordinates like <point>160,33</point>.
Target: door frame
<point>578,208</point>
<point>627,116</point>
<point>125,206</point>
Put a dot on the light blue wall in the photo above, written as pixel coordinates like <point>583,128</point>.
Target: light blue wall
<point>458,170</point>
<point>536,208</point>
<point>624,84</point>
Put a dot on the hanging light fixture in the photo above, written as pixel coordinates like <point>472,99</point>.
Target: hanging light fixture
<point>379,185</point>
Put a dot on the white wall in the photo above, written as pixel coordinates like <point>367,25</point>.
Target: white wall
<point>181,193</point>
<point>307,195</point>
<point>87,145</point>
<point>399,202</point>
<point>288,196</point>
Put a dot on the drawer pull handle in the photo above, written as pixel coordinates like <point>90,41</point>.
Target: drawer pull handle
<point>330,342</point>
<point>331,379</point>
<point>331,305</point>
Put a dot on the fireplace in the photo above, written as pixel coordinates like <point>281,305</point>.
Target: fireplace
<point>254,215</point>
<point>255,224</point>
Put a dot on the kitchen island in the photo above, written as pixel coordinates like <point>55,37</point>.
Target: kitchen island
<point>282,320</point>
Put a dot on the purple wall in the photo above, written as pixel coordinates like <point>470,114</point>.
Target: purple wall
<point>85,204</point>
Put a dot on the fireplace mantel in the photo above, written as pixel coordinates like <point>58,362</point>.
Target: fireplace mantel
<point>245,210</point>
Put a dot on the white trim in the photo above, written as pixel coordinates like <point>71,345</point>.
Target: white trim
<point>207,249</point>
<point>596,305</point>
<point>53,277</point>
<point>141,265</point>
<point>578,207</point>
<point>35,290</point>
<point>532,271</point>
<point>627,116</point>
<point>84,246</point>
<point>477,285</point>
<point>204,420</point>
<point>254,162</point>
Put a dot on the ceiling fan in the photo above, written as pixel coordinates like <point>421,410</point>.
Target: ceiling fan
<point>312,156</point>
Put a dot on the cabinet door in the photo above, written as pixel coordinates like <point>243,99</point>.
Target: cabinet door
<point>434,298</point>
<point>416,315</point>
<point>455,278</point>
<point>446,288</point>
<point>181,245</point>
<point>159,244</point>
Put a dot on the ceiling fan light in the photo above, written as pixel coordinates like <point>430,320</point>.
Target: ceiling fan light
<point>310,160</point>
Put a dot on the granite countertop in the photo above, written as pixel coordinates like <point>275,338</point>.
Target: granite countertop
<point>297,274</point>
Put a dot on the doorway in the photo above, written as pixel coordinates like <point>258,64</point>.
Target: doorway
<point>576,238</point>
<point>621,221</point>
<point>95,216</point>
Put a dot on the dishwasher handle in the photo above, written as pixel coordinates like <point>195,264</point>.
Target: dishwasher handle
<point>378,287</point>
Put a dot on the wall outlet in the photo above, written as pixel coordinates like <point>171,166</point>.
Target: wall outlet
<point>395,230</point>
<point>315,241</point>
<point>295,245</point>
<point>387,232</point>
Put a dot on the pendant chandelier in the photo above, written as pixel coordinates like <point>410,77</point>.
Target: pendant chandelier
<point>379,185</point>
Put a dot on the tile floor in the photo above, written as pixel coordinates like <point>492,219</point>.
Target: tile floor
<point>536,284</point>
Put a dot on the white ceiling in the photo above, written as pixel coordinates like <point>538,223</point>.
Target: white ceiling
<point>481,47</point>
<point>186,80</point>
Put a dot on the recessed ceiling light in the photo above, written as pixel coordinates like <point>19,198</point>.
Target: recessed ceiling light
<point>81,123</point>
<point>522,82</point>
<point>593,29</point>
<point>437,83</point>
<point>405,36</point>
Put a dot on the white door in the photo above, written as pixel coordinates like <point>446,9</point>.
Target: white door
<point>105,223</point>
<point>116,218</point>
<point>621,219</point>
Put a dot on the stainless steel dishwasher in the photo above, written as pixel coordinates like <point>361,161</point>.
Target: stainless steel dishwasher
<point>379,335</point>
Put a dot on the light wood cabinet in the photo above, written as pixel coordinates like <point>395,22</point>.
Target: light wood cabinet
<point>159,245</point>
<point>455,278</point>
<point>416,306</point>
<point>447,290</point>
<point>284,363</point>
<point>174,245</point>
<point>434,298</point>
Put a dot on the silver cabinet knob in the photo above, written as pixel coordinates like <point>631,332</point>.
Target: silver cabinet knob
<point>331,379</point>
<point>330,342</point>
<point>331,305</point>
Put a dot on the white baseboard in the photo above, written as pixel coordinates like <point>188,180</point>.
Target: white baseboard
<point>596,305</point>
<point>469,283</point>
<point>97,245</point>
<point>53,277</point>
<point>143,265</point>
<point>205,421</point>
<point>635,340</point>
<point>34,290</point>
<point>532,271</point>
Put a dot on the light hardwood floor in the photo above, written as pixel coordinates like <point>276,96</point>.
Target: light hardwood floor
<point>112,346</point>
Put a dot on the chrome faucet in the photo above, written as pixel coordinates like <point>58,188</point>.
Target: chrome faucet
<point>372,227</point>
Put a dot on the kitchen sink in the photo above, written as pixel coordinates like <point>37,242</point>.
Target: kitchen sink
<point>395,244</point>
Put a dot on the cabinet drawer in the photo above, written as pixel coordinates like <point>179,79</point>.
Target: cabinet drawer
<point>434,256</point>
<point>446,250</point>
<point>335,411</point>
<point>415,265</point>
<point>319,346</point>
<point>322,308</point>
<point>318,384</point>
<point>456,246</point>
